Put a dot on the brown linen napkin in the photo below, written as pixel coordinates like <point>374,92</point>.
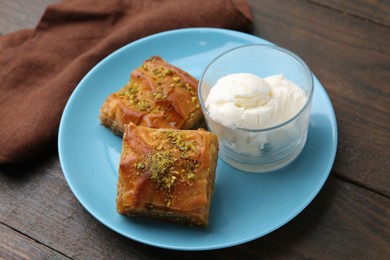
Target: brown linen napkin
<point>40,68</point>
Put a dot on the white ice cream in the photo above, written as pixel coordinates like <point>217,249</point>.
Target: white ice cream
<point>245,100</point>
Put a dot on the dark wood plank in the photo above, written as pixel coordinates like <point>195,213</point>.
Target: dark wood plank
<point>39,203</point>
<point>17,246</point>
<point>371,11</point>
<point>350,56</point>
<point>352,59</point>
<point>19,14</point>
<point>344,221</point>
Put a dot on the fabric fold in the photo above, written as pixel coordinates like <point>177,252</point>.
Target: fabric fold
<point>41,67</point>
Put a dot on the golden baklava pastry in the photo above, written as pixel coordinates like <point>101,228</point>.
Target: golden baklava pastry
<point>158,95</point>
<point>167,174</point>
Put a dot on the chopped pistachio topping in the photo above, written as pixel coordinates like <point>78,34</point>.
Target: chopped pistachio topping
<point>159,164</point>
<point>167,167</point>
<point>160,72</point>
<point>143,105</point>
<point>140,166</point>
<point>144,67</point>
<point>191,176</point>
<point>176,79</point>
<point>179,141</point>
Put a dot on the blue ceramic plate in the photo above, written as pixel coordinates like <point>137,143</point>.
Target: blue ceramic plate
<point>245,206</point>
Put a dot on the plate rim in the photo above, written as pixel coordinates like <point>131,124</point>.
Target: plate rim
<point>241,35</point>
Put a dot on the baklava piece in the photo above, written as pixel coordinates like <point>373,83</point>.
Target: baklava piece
<point>158,95</point>
<point>167,174</point>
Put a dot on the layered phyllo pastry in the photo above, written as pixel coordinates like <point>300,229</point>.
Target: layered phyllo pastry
<point>158,95</point>
<point>167,174</point>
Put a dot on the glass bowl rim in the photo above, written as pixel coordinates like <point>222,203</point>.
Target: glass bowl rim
<point>264,46</point>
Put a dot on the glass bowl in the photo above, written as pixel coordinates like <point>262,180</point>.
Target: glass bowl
<point>261,149</point>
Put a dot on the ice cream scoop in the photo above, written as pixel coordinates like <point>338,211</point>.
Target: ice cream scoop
<point>245,100</point>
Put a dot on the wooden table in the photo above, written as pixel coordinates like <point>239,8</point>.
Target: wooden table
<point>347,46</point>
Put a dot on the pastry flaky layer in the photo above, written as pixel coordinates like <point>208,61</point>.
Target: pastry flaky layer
<point>167,174</point>
<point>158,95</point>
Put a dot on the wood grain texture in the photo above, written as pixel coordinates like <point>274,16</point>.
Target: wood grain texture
<point>19,14</point>
<point>349,219</point>
<point>18,246</point>
<point>344,221</point>
<point>375,11</point>
<point>351,58</point>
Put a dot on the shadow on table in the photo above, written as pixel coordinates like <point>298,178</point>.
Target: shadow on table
<point>24,172</point>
